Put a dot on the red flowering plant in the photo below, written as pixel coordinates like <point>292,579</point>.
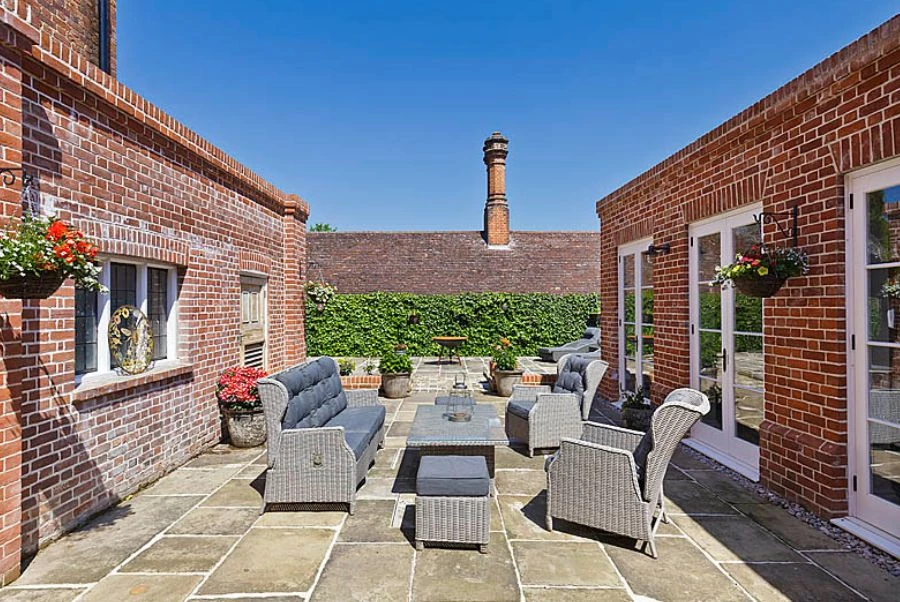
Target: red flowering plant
<point>758,262</point>
<point>45,246</point>
<point>236,389</point>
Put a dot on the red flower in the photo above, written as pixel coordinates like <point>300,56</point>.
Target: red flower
<point>57,230</point>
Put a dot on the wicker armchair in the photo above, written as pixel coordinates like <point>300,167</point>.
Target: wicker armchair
<point>312,463</point>
<point>612,478</point>
<point>541,416</point>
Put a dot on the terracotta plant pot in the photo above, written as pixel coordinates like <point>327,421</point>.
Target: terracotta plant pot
<point>505,380</point>
<point>31,287</point>
<point>395,386</point>
<point>762,287</point>
<point>245,429</point>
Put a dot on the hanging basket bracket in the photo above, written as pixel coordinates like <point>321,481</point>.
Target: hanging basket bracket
<point>770,217</point>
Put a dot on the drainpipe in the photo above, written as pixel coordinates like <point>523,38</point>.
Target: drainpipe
<point>103,10</point>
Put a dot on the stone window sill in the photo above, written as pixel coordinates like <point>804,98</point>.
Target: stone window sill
<point>114,383</point>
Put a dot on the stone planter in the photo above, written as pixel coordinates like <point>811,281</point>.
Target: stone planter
<point>505,380</point>
<point>245,429</point>
<point>637,419</point>
<point>395,386</point>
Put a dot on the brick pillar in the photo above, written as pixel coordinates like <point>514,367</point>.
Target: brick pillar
<point>295,215</point>
<point>13,366</point>
<point>496,209</point>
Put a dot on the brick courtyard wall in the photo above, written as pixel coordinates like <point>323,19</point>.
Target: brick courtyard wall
<point>791,148</point>
<point>146,187</point>
<point>455,262</point>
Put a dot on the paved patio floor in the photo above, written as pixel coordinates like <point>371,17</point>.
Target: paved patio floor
<point>196,535</point>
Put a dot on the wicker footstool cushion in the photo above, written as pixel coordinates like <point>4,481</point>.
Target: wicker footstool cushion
<point>453,501</point>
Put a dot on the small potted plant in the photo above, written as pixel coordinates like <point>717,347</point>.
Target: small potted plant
<point>320,293</point>
<point>239,403</point>
<point>346,366</point>
<point>636,411</point>
<point>395,369</point>
<point>38,253</point>
<point>761,272</point>
<point>506,373</point>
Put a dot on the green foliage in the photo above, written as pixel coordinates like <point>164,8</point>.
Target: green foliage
<point>369,324</point>
<point>346,366</point>
<point>393,362</point>
<point>504,355</point>
<point>322,228</point>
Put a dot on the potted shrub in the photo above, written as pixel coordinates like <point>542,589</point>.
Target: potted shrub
<point>346,366</point>
<point>506,373</point>
<point>761,272</point>
<point>240,406</point>
<point>395,371</point>
<point>636,411</point>
<point>320,293</point>
<point>38,253</point>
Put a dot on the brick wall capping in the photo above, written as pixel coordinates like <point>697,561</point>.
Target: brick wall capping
<point>114,383</point>
<point>880,41</point>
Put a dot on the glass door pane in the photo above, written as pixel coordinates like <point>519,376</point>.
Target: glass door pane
<point>629,323</point>
<point>747,349</point>
<point>709,324</point>
<point>646,321</point>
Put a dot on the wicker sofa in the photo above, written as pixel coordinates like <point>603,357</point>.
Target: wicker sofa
<point>321,439</point>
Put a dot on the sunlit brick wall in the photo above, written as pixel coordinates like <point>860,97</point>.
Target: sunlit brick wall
<point>791,148</point>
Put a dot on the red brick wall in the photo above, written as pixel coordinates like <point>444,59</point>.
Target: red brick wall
<point>146,187</point>
<point>455,262</point>
<point>791,148</point>
<point>76,24</point>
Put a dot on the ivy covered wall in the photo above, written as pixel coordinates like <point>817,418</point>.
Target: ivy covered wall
<point>371,323</point>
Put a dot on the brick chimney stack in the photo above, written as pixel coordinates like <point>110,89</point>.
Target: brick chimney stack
<point>496,209</point>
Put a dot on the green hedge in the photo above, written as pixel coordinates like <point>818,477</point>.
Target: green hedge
<point>368,324</point>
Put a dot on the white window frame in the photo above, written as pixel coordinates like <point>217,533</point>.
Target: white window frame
<point>635,248</point>
<point>104,368</point>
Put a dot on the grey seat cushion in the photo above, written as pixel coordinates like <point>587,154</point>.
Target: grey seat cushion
<point>640,456</point>
<point>358,442</point>
<point>520,407</point>
<point>464,476</point>
<point>315,394</point>
<point>365,419</point>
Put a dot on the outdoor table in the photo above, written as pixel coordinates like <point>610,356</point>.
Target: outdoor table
<point>434,434</point>
<point>449,343</point>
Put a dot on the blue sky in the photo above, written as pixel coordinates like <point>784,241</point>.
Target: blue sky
<point>375,112</point>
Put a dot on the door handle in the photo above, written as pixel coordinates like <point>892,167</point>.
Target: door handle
<point>724,357</point>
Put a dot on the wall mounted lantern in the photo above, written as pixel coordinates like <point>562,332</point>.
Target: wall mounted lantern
<point>654,250</point>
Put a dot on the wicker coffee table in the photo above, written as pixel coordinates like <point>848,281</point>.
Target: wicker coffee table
<point>433,434</point>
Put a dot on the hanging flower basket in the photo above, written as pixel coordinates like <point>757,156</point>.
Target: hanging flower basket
<point>761,272</point>
<point>30,286</point>
<point>762,287</point>
<point>38,253</point>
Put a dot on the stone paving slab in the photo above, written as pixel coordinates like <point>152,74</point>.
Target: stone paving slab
<point>237,493</point>
<point>736,538</point>
<point>795,532</point>
<point>193,481</point>
<point>372,523</point>
<point>271,560</point>
<point>520,482</point>
<point>681,573</point>
<point>39,595</point>
<point>316,518</point>
<point>858,573</point>
<point>225,455</point>
<point>557,594</point>
<point>444,574</point>
<point>142,588</point>
<point>688,497</point>
<point>86,555</point>
<point>790,583</point>
<point>724,487</point>
<point>180,554</point>
<point>563,563</point>
<point>366,573</point>
<point>215,521</point>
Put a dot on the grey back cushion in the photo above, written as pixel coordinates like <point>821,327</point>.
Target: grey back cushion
<point>571,378</point>
<point>315,394</point>
<point>640,456</point>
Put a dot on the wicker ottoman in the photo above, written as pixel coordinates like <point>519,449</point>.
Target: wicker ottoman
<point>453,501</point>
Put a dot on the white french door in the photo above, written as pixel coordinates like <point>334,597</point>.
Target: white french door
<point>726,344</point>
<point>635,318</point>
<point>873,277</point>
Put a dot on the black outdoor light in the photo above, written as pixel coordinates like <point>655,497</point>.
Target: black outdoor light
<point>654,250</point>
